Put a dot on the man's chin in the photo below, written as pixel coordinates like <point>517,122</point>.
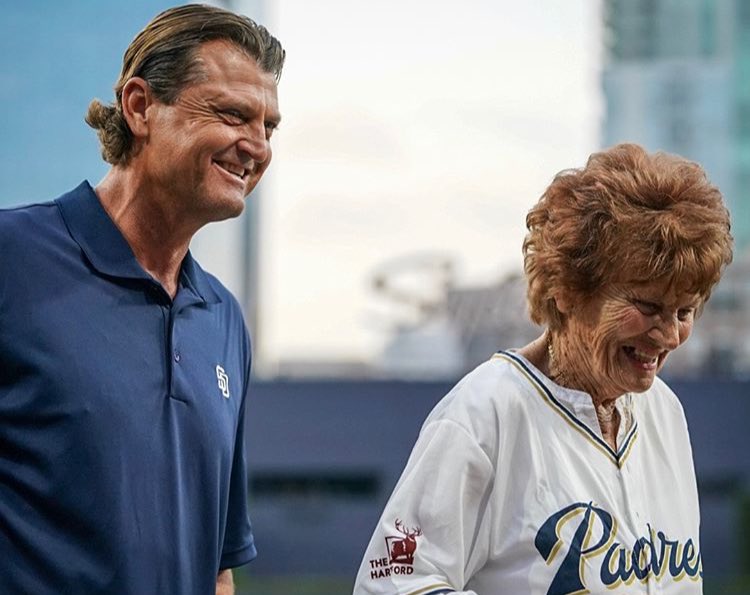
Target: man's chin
<point>226,208</point>
<point>233,210</point>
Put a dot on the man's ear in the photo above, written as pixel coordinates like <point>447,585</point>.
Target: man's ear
<point>136,98</point>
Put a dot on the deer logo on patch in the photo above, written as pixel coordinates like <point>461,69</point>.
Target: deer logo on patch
<point>401,549</point>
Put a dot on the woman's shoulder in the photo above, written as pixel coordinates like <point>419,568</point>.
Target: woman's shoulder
<point>487,398</point>
<point>660,402</point>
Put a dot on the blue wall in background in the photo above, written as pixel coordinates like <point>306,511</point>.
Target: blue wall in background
<point>324,457</point>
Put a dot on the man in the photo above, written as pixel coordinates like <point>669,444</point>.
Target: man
<point>123,365</point>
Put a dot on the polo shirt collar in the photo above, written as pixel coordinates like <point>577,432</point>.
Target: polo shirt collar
<point>106,248</point>
<point>198,280</point>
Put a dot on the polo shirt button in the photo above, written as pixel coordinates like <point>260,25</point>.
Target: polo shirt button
<point>177,356</point>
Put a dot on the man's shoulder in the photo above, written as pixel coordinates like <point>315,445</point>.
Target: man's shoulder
<point>26,222</point>
<point>26,213</point>
<point>29,212</point>
<point>35,230</point>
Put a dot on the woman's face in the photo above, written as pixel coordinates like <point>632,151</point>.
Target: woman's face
<point>619,341</point>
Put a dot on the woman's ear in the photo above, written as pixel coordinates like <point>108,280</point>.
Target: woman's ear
<point>563,302</point>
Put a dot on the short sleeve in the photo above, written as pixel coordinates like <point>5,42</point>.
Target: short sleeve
<point>239,544</point>
<point>429,536</point>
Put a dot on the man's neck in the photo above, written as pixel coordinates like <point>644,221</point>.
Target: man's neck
<point>158,236</point>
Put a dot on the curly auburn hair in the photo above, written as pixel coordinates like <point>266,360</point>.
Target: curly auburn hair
<point>626,217</point>
<point>164,55</point>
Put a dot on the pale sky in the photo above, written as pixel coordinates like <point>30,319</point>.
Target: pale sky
<point>412,127</point>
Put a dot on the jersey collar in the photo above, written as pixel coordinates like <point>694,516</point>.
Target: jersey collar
<point>578,410</point>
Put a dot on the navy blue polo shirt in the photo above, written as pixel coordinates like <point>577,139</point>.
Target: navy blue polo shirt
<point>122,466</point>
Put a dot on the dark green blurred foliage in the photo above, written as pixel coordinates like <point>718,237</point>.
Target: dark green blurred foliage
<point>299,585</point>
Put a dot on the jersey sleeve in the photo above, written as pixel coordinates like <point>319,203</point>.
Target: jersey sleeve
<point>239,544</point>
<point>431,538</point>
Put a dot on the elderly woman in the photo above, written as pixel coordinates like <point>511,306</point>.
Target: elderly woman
<point>565,467</point>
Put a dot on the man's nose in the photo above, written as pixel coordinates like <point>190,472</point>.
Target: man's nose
<point>253,143</point>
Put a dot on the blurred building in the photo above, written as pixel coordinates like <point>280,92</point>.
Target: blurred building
<point>677,78</point>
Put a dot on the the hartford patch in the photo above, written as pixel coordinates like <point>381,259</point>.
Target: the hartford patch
<point>401,550</point>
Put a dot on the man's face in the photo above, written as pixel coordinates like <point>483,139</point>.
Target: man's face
<point>206,152</point>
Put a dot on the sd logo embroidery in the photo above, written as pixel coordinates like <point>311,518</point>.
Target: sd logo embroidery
<point>223,379</point>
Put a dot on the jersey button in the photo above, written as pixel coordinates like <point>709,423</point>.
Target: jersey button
<point>177,357</point>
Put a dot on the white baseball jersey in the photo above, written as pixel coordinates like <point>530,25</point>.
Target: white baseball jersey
<point>511,490</point>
